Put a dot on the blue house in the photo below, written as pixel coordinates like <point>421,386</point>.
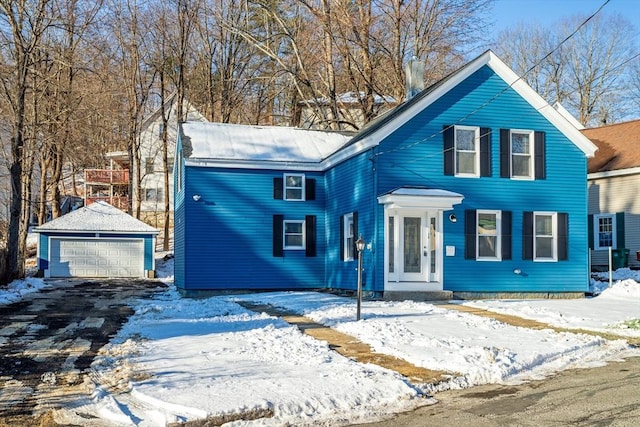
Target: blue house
<point>474,185</point>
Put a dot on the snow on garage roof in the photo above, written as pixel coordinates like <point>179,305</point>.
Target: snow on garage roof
<point>222,141</point>
<point>99,216</point>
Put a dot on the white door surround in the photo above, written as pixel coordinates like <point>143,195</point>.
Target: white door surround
<point>413,238</point>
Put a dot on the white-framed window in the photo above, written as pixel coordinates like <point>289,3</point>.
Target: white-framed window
<point>604,226</point>
<point>467,149</point>
<point>348,242</point>
<point>178,171</point>
<point>545,236</point>
<point>488,235</point>
<point>148,164</point>
<point>522,155</point>
<point>152,194</point>
<point>293,234</point>
<point>294,186</point>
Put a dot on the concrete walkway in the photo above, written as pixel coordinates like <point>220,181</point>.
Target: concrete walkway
<point>352,348</point>
<point>533,324</point>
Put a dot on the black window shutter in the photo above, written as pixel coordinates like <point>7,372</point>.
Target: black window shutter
<point>342,231</point>
<point>541,167</point>
<point>505,153</point>
<point>620,230</point>
<point>310,235</point>
<point>310,189</point>
<point>590,231</point>
<point>355,233</point>
<point>449,151</point>
<point>485,152</point>
<point>278,230</point>
<point>278,188</point>
<point>527,235</point>
<point>470,234</point>
<point>563,236</point>
<point>506,235</point>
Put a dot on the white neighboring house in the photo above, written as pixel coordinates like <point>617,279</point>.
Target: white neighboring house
<point>151,165</point>
<point>614,186</point>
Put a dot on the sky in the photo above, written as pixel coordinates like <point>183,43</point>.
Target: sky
<point>180,359</point>
<point>509,12</point>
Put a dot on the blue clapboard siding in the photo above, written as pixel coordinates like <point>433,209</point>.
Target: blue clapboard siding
<point>229,239</point>
<point>350,188</point>
<point>564,190</point>
<point>179,223</point>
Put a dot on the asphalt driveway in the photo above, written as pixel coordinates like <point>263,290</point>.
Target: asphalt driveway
<point>49,339</point>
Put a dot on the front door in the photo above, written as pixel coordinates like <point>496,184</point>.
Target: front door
<point>413,243</point>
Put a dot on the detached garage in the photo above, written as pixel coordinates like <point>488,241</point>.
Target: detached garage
<point>96,241</point>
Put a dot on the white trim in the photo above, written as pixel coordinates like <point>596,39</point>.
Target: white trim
<point>346,220</point>
<point>407,198</point>
<point>596,231</point>
<point>284,234</point>
<point>554,237</point>
<point>531,153</point>
<point>476,151</point>
<point>611,174</point>
<point>498,235</point>
<point>301,188</point>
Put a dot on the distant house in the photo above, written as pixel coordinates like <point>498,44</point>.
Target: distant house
<point>473,186</point>
<point>109,184</point>
<point>152,167</point>
<point>314,113</point>
<point>614,186</point>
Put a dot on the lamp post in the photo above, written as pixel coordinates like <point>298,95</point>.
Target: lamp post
<point>360,243</point>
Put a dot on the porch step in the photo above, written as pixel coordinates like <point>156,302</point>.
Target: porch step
<point>417,296</point>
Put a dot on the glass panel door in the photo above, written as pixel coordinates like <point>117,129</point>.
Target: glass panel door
<point>412,245</point>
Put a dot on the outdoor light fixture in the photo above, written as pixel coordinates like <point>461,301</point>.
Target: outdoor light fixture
<point>360,244</point>
<point>196,197</point>
<point>517,271</point>
<point>452,218</point>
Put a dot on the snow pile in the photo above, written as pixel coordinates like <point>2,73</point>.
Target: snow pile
<point>18,288</point>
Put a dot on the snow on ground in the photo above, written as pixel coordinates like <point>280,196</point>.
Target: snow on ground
<point>615,310</point>
<point>181,359</point>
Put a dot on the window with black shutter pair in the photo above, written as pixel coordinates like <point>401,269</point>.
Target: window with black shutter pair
<point>294,235</point>
<point>487,235</point>
<point>467,152</point>
<point>545,235</point>
<point>294,187</point>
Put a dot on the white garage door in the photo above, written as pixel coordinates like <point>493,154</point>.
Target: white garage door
<point>97,258</point>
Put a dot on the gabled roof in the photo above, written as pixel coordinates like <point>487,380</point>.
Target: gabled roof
<point>97,217</point>
<point>239,145</point>
<point>382,127</point>
<point>618,146</point>
<point>190,110</point>
<point>229,142</point>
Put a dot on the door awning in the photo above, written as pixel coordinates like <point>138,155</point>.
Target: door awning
<point>420,197</point>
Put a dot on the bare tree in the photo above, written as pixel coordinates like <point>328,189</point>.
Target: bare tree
<point>26,23</point>
<point>585,65</point>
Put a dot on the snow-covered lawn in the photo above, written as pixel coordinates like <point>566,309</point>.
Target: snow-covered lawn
<point>180,359</point>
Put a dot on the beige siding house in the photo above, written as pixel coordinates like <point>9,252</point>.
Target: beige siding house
<point>614,194</point>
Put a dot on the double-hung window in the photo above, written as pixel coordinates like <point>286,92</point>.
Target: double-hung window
<point>348,242</point>
<point>605,226</point>
<point>294,234</point>
<point>545,235</point>
<point>488,235</point>
<point>522,154</point>
<point>294,187</point>
<point>467,149</point>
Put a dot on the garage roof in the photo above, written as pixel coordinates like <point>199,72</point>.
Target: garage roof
<point>97,217</point>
